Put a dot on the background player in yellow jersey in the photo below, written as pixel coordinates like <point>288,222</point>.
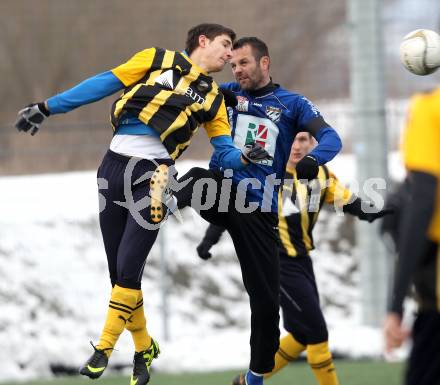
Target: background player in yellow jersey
<point>166,96</point>
<point>298,213</point>
<point>418,243</point>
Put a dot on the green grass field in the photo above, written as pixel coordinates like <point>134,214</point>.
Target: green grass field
<point>349,372</point>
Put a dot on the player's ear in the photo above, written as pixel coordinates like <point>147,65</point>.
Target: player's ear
<point>202,41</point>
<point>265,62</point>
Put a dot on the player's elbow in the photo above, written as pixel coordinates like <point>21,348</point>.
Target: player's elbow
<point>337,142</point>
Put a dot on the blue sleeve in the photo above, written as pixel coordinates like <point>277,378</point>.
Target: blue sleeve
<point>230,86</point>
<point>305,109</point>
<point>88,91</point>
<point>329,144</point>
<point>227,154</point>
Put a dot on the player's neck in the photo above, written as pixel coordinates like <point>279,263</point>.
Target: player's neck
<point>266,88</point>
<point>265,82</point>
<point>199,60</point>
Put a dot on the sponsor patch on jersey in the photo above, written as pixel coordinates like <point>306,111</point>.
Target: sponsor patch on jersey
<point>194,96</point>
<point>243,104</point>
<point>273,113</point>
<point>170,81</point>
<point>250,129</point>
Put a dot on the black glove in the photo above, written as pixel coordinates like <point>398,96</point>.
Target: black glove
<point>254,153</point>
<point>203,250</point>
<point>230,98</point>
<point>31,117</point>
<point>356,207</point>
<point>307,168</point>
<point>371,217</point>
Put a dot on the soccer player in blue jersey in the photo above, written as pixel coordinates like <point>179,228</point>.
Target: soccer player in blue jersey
<point>166,96</point>
<point>245,202</point>
<point>299,208</point>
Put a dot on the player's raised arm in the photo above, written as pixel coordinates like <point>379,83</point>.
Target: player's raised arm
<point>340,196</point>
<point>88,91</point>
<point>329,142</point>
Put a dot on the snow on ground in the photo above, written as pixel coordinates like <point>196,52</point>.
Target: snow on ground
<point>55,289</point>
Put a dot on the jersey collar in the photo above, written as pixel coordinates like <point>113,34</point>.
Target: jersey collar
<point>267,89</point>
<point>184,53</point>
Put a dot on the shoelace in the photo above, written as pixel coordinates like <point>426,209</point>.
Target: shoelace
<point>99,353</point>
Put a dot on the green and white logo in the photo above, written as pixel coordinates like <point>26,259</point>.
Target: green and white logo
<point>250,129</point>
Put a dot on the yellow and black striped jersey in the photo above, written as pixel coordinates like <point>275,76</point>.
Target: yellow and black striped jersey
<point>172,95</point>
<point>299,206</point>
<point>421,145</point>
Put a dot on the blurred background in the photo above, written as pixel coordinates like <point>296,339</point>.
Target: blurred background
<point>50,45</point>
<point>54,287</point>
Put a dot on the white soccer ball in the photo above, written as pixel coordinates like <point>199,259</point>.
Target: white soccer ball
<point>420,51</point>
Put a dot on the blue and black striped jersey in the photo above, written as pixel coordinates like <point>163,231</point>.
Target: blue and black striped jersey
<point>271,117</point>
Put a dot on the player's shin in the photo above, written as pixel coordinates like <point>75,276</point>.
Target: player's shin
<point>321,361</point>
<point>137,325</point>
<point>122,303</point>
<point>288,351</point>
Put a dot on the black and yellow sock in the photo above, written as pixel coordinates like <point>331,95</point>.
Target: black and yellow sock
<point>137,325</point>
<point>289,350</point>
<point>121,306</point>
<point>321,361</point>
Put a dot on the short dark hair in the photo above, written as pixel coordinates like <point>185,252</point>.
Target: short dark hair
<point>258,46</point>
<point>211,31</point>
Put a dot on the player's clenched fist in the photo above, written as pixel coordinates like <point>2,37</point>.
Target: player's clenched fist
<point>254,153</point>
<point>31,117</point>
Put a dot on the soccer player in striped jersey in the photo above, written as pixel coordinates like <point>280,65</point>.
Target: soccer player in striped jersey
<point>299,207</point>
<point>165,96</point>
<point>418,243</point>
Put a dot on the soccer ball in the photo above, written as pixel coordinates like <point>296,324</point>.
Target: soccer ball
<point>420,51</point>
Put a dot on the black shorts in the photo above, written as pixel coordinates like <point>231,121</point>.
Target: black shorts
<point>127,237</point>
<point>302,314</point>
<point>256,243</point>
